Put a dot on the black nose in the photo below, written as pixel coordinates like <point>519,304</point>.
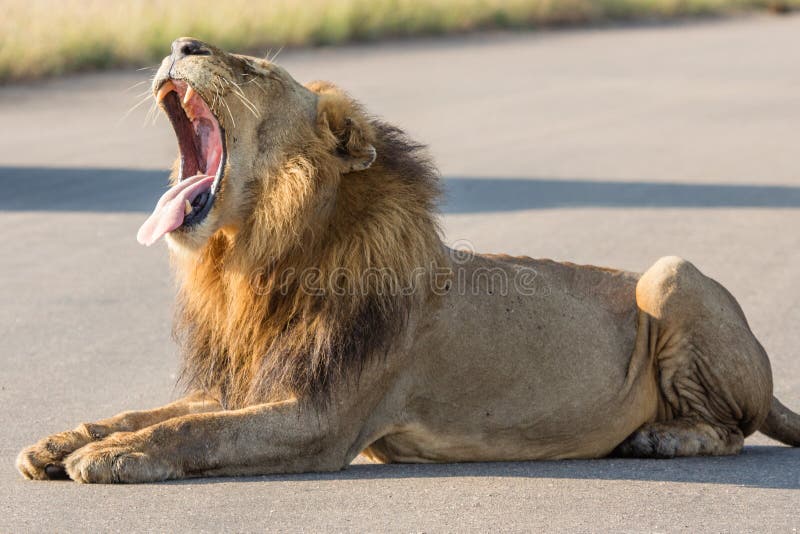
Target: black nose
<point>188,47</point>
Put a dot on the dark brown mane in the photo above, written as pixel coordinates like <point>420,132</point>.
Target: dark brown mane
<point>250,321</point>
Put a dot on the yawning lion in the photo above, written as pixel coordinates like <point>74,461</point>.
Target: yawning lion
<point>320,316</point>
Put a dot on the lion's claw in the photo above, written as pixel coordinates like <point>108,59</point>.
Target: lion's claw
<point>56,472</point>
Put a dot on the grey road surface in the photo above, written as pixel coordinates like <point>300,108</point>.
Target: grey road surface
<point>611,147</point>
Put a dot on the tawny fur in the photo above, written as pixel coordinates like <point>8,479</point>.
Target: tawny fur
<point>320,316</point>
<point>251,327</point>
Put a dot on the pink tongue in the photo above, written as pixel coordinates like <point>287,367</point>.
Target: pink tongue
<point>169,211</point>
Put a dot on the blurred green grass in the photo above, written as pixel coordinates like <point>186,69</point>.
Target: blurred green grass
<point>50,37</point>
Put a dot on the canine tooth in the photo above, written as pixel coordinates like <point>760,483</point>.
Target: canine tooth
<point>187,209</point>
<point>164,90</point>
<point>189,94</point>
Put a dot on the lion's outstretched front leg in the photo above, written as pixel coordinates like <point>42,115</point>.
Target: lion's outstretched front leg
<point>271,438</point>
<point>45,459</point>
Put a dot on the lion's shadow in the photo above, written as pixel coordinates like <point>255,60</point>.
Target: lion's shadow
<point>767,467</point>
<point>479,194</point>
<point>131,190</point>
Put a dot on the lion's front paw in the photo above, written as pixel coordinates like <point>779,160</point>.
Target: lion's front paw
<point>120,459</point>
<point>45,459</point>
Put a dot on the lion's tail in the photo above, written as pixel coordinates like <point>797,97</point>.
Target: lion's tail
<point>782,424</point>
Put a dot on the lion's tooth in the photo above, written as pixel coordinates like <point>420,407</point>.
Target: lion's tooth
<point>187,209</point>
<point>164,90</point>
<point>189,94</point>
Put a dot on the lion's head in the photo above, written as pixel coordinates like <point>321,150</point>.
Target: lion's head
<point>242,122</point>
<point>300,226</point>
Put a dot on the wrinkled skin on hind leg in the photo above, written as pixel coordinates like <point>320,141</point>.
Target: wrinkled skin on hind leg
<point>714,376</point>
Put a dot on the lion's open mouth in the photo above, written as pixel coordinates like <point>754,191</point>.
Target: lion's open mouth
<point>201,142</point>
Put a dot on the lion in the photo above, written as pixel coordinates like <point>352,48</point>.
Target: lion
<point>320,315</point>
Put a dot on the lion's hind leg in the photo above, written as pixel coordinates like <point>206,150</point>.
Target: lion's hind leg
<point>681,437</point>
<point>714,377</point>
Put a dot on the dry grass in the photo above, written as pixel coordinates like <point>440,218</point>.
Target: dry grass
<point>47,37</point>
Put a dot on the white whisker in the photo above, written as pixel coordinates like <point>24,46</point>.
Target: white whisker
<point>152,113</point>
<point>229,112</point>
<point>127,113</point>
<point>276,55</point>
<point>258,84</point>
<point>233,121</point>
<point>240,94</point>
<point>134,86</point>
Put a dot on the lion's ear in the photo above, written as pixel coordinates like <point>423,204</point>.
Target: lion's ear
<point>349,133</point>
<point>353,147</point>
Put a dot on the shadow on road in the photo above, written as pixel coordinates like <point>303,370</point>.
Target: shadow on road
<point>84,190</point>
<point>472,195</point>
<point>757,467</point>
<point>126,190</point>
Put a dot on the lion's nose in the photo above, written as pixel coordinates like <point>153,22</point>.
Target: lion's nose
<point>186,46</point>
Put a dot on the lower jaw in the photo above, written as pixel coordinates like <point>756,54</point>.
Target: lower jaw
<point>195,218</point>
<point>186,241</point>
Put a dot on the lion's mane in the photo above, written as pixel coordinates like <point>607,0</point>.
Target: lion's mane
<point>315,286</point>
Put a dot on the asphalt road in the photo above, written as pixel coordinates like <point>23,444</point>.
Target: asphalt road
<point>611,147</point>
